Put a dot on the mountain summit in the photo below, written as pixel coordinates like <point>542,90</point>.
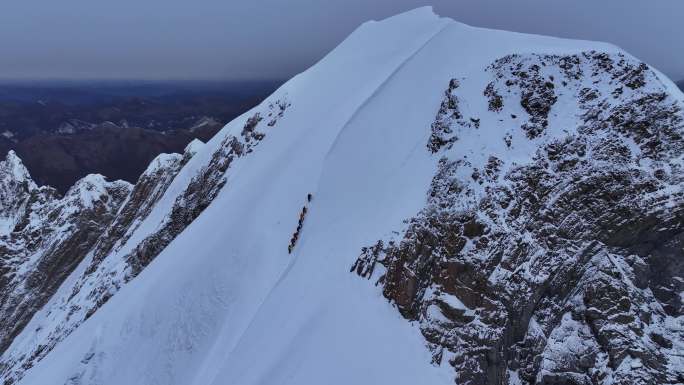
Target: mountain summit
<point>429,203</point>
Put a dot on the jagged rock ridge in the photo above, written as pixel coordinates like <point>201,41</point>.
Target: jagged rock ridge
<point>46,238</point>
<point>114,258</point>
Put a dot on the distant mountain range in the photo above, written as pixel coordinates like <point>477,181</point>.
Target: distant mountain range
<point>66,130</point>
<point>680,84</point>
<point>58,160</point>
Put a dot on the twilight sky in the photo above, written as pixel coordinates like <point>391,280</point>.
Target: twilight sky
<point>247,39</point>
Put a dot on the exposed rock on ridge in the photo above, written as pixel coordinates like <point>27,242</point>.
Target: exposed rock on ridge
<point>565,268</point>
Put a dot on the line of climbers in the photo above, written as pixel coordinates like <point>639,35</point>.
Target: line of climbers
<point>295,236</point>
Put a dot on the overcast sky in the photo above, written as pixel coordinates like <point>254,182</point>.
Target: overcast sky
<point>246,39</point>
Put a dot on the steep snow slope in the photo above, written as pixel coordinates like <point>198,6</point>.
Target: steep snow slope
<point>225,303</point>
<point>264,201</point>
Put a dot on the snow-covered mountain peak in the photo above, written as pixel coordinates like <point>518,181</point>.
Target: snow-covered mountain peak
<point>16,186</point>
<point>430,202</point>
<point>161,162</point>
<point>193,148</point>
<point>13,168</point>
<point>94,188</point>
<point>44,236</point>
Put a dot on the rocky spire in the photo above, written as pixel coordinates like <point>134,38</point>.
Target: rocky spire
<point>15,188</point>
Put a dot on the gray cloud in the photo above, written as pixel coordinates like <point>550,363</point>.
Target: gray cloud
<point>276,39</point>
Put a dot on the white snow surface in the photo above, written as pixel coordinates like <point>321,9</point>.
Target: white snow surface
<point>225,303</point>
<point>193,147</point>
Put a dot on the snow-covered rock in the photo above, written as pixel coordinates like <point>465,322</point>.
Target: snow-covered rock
<point>193,148</point>
<point>8,134</point>
<point>575,210</point>
<point>73,126</point>
<point>45,237</point>
<point>516,198</point>
<point>15,188</point>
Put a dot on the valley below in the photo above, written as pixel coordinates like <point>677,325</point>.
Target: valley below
<point>64,130</point>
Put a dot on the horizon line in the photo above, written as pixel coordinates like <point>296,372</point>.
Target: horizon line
<point>136,80</point>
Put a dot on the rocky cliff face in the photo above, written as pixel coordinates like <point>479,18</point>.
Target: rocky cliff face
<point>46,237</point>
<point>564,268</point>
<point>15,187</point>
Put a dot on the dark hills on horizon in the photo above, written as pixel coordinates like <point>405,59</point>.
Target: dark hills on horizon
<point>65,130</point>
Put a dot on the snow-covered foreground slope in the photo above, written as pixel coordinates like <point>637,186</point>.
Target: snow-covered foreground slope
<point>193,282</point>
